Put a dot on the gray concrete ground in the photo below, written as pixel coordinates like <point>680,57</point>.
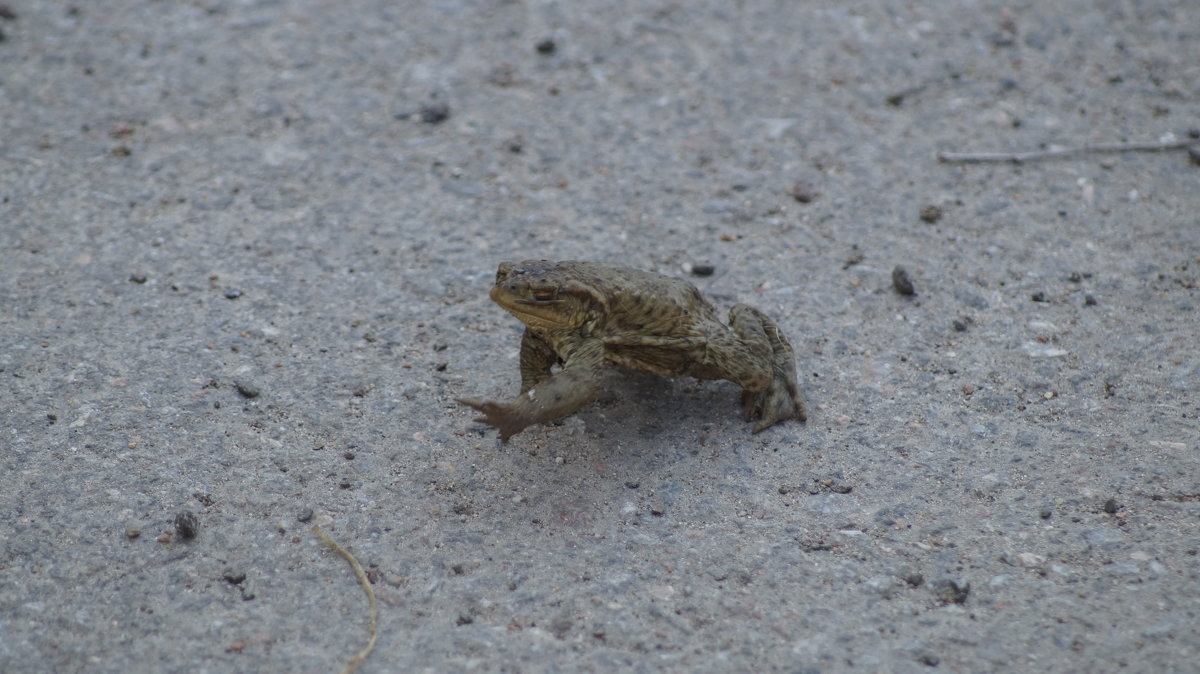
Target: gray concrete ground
<point>245,247</point>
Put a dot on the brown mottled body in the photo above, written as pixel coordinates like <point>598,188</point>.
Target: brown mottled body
<point>588,315</point>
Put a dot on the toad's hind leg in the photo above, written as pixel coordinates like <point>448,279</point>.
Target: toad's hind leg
<point>780,397</point>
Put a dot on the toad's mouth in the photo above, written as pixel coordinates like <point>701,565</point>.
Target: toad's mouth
<point>537,314</point>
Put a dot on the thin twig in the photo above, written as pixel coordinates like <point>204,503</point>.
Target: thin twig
<point>1018,157</point>
<point>366,586</point>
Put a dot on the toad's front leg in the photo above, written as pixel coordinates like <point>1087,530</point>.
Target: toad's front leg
<point>551,398</point>
<point>768,377</point>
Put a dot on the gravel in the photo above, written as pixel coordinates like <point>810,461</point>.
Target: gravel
<point>228,264</point>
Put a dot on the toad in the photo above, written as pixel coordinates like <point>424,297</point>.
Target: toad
<point>586,316</point>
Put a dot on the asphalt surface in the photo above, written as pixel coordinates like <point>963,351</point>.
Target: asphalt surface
<point>245,248</point>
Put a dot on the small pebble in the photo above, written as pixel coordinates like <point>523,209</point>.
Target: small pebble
<point>186,525</point>
<point>132,531</point>
<point>931,213</point>
<point>803,193</point>
<point>232,294</point>
<point>1029,560</point>
<point>703,270</point>
<point>1039,296</point>
<point>435,113</point>
<point>546,47</point>
<point>1111,507</point>
<point>951,590</point>
<point>960,325</point>
<point>1194,154</point>
<point>234,577</point>
<point>137,277</point>
<point>305,515</point>
<point>1089,300</point>
<point>901,282</point>
<point>247,389</point>
<point>7,12</point>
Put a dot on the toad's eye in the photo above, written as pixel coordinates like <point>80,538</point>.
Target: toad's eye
<point>544,295</point>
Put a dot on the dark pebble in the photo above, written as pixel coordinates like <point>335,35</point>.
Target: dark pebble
<point>703,270</point>
<point>1194,154</point>
<point>951,590</point>
<point>232,294</point>
<point>803,193</point>
<point>137,277</point>
<point>305,515</point>
<point>234,577</point>
<point>632,485</point>
<point>435,113</point>
<point>1045,513</point>
<point>1089,300</point>
<point>931,213</point>
<point>7,12</point>
<point>914,578</point>
<point>186,525</point>
<point>503,75</point>
<point>1039,296</point>
<point>247,389</point>
<point>1111,507</point>
<point>546,47</point>
<point>928,658</point>
<point>464,620</point>
<point>901,282</point>
<point>960,325</point>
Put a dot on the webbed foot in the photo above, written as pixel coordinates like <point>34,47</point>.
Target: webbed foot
<point>781,399</point>
<point>779,402</point>
<point>506,417</point>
